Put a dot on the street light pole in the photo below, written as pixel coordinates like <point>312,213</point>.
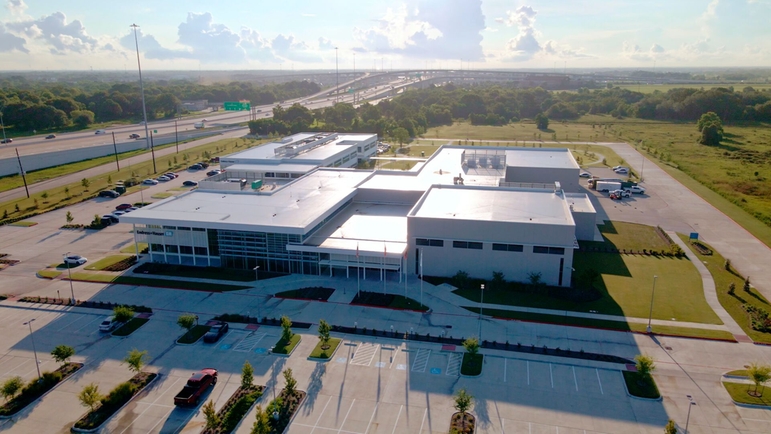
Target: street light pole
<point>34,351</point>
<point>141,84</point>
<point>481,304</point>
<point>688,419</point>
<point>2,124</point>
<point>650,312</point>
<point>337,78</point>
<point>69,274</point>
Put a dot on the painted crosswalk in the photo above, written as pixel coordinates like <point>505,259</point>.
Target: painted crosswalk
<point>250,341</point>
<point>420,362</point>
<point>364,354</point>
<point>453,364</point>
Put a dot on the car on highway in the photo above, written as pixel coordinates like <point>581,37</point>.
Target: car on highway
<point>585,175</point>
<point>149,182</point>
<point>6,141</point>
<point>123,207</point>
<point>75,260</point>
<point>51,136</point>
<point>216,332</point>
<point>134,136</point>
<point>164,178</point>
<point>109,324</point>
<point>108,193</point>
<point>100,132</point>
<point>190,183</point>
<point>636,189</point>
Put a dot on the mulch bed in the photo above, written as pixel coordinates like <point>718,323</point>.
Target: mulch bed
<point>30,394</point>
<point>243,319</point>
<point>291,404</point>
<point>235,409</point>
<point>84,303</point>
<point>312,293</point>
<point>457,423</point>
<point>373,299</point>
<point>122,265</point>
<point>94,419</point>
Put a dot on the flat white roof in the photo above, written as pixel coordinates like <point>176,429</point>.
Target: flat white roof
<point>559,158</point>
<point>288,167</point>
<point>267,151</point>
<point>494,204</point>
<point>580,202</point>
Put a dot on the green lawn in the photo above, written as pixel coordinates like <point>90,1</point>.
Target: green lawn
<point>130,326</point>
<point>24,224</point>
<point>738,392</point>
<point>319,353</point>
<point>49,274</point>
<point>472,364</point>
<point>192,335</point>
<point>602,324</point>
<point>132,249</point>
<point>738,373</point>
<point>162,195</point>
<point>106,262</point>
<point>641,387</point>
<point>715,263</point>
<point>284,347</point>
<point>629,236</point>
<point>162,283</point>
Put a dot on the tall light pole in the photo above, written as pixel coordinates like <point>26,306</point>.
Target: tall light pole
<point>69,274</point>
<point>141,85</point>
<point>337,78</point>
<point>2,124</point>
<point>650,313</point>
<point>690,404</point>
<point>481,304</point>
<point>34,351</point>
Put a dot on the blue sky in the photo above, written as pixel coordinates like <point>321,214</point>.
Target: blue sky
<point>294,34</point>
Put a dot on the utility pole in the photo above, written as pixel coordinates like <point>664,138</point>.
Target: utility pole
<point>176,136</point>
<point>337,78</point>
<point>5,139</point>
<point>23,175</point>
<point>152,151</point>
<point>141,84</point>
<point>115,147</point>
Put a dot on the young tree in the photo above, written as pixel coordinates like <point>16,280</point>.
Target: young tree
<point>759,374</point>
<point>262,424</point>
<point>247,376</point>
<point>69,217</point>
<point>187,321</point>
<point>123,313</point>
<point>499,280</point>
<point>286,328</point>
<point>747,284</point>
<point>136,360</point>
<point>11,387</point>
<point>324,330</point>
<point>645,365</point>
<point>463,403</point>
<point>85,182</point>
<point>671,428</point>
<point>67,192</point>
<point>291,383</point>
<point>471,345</point>
<point>731,288</point>
<point>212,420</point>
<point>62,353</point>
<point>90,396</point>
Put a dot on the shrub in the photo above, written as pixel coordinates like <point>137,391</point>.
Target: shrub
<point>645,365</point>
<point>123,313</point>
<point>90,396</point>
<point>247,375</point>
<point>471,345</point>
<point>286,328</point>
<point>187,321</point>
<point>291,383</point>
<point>119,395</point>
<point>212,419</point>
<point>11,387</point>
<point>135,360</point>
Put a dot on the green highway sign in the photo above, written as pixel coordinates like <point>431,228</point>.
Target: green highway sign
<point>236,106</point>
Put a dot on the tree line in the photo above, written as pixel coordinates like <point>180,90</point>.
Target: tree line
<point>28,107</point>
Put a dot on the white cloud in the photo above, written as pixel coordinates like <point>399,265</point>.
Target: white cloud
<point>525,45</point>
<point>9,42</point>
<point>490,29</point>
<point>634,52</point>
<point>54,30</point>
<point>325,44</point>
<point>308,15</point>
<point>706,19</point>
<point>16,7</point>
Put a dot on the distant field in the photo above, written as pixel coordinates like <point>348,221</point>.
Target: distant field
<point>650,88</point>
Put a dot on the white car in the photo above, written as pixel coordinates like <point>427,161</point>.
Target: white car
<point>585,175</point>
<point>118,213</point>
<point>636,189</point>
<point>149,182</point>
<point>75,260</point>
<point>163,178</point>
<point>108,324</point>
<point>621,170</point>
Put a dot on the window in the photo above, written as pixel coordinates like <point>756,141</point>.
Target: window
<point>199,230</point>
<point>467,245</point>
<point>156,247</point>
<point>359,148</point>
<point>182,228</point>
<point>540,249</point>
<point>428,242</point>
<point>170,227</point>
<point>186,250</point>
<point>270,175</point>
<point>171,249</point>
<point>508,247</point>
<point>549,250</point>
<point>200,251</point>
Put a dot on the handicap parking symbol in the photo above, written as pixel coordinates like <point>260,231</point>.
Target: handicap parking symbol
<point>260,350</point>
<point>380,364</point>
<point>401,367</point>
<point>225,346</point>
<point>436,371</point>
<point>341,360</point>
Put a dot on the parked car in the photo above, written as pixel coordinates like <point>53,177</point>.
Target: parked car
<point>51,136</point>
<point>109,324</point>
<point>213,172</point>
<point>195,167</point>
<point>636,189</point>
<point>203,164</point>
<point>163,178</point>
<point>171,175</point>
<point>585,175</point>
<point>133,208</point>
<point>621,193</point>
<point>134,136</point>
<point>108,219</point>
<point>123,206</point>
<point>118,213</point>
<point>6,141</point>
<point>216,332</point>
<point>108,193</point>
<point>196,386</point>
<point>75,260</point>
<point>100,132</point>
<point>621,170</point>
<point>190,183</point>
<point>149,182</point>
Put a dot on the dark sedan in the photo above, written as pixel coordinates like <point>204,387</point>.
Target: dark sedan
<point>216,332</point>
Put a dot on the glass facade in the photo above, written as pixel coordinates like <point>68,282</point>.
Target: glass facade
<point>246,250</point>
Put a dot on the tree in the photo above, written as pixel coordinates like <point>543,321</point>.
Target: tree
<point>759,374</point>
<point>262,424</point>
<point>645,365</point>
<point>324,330</point>
<point>499,280</point>
<point>401,135</point>
<point>460,279</point>
<point>90,396</point>
<point>62,353</point>
<point>291,383</point>
<point>731,288</point>
<point>85,182</point>
<point>67,192</point>
<point>747,284</point>
<point>187,321</point>
<point>463,403</point>
<point>82,118</point>
<point>135,360</point>
<point>541,121</point>
<point>535,279</point>
<point>286,328</point>
<point>471,345</point>
<point>247,376</point>
<point>69,217</point>
<point>671,428</point>
<point>711,128</point>
<point>11,387</point>
<point>212,420</point>
<point>122,313</point>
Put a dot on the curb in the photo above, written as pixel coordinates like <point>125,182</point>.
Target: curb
<point>472,376</point>
<point>289,353</point>
<point>626,389</point>
<point>43,395</point>
<point>320,360</point>
<point>238,425</point>
<point>92,430</point>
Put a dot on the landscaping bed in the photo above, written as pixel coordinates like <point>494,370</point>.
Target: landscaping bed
<point>325,354</point>
<point>235,409</point>
<point>113,263</point>
<point>741,393</point>
<point>316,293</point>
<point>461,426</point>
<point>193,334</point>
<point>130,327</point>
<point>243,319</point>
<point>472,364</point>
<point>195,272</point>
<point>641,387</point>
<point>392,301</point>
<point>113,402</point>
<point>286,347</point>
<point>49,274</point>
<point>288,407</point>
<point>35,389</point>
<point>92,304</point>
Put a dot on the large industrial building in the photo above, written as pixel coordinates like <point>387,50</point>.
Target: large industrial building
<point>292,207</point>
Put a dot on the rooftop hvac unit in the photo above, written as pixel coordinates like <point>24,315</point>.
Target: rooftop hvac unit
<point>483,162</point>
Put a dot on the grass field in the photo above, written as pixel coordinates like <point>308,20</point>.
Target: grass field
<point>49,274</point>
<point>715,263</point>
<point>132,249</point>
<point>629,236</point>
<point>24,224</point>
<point>130,327</point>
<point>524,131</point>
<point>192,335</point>
<point>106,262</point>
<point>641,387</point>
<point>738,392</point>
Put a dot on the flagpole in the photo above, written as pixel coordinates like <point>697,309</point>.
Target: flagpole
<point>421,276</point>
<point>358,272</point>
<point>385,252</point>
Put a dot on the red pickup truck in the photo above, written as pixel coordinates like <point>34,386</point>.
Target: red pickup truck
<point>196,386</point>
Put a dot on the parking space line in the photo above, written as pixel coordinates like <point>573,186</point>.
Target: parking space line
<point>421,360</point>
<point>372,417</point>
<point>15,367</point>
<point>423,422</point>
<point>305,425</point>
<point>504,370</point>
<point>364,354</point>
<point>597,371</point>
<point>453,364</point>
<point>78,318</point>
<point>321,414</point>
<point>551,375</point>
<point>346,415</point>
<point>149,407</point>
<point>397,418</point>
<point>87,324</point>
<point>528,372</point>
<point>163,419</point>
<point>574,377</point>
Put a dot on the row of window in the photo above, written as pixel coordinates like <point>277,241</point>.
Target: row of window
<point>185,250</point>
<point>474,245</point>
<point>183,228</point>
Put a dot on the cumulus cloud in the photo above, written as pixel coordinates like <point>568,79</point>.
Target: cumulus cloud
<point>54,29</point>
<point>443,29</point>
<point>150,47</point>
<point>210,42</point>
<point>289,48</point>
<point>16,7</point>
<point>325,44</point>
<point>701,49</point>
<point>525,45</point>
<point>256,47</point>
<point>634,52</point>
<point>9,42</point>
